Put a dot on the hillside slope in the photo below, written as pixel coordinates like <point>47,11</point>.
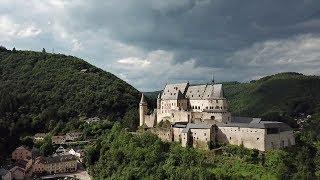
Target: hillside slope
<point>285,93</point>
<point>37,90</point>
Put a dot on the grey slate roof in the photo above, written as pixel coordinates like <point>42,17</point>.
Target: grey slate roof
<point>236,119</point>
<point>143,99</point>
<point>184,90</point>
<point>174,91</point>
<point>196,126</point>
<point>206,91</point>
<point>180,125</point>
<point>255,123</point>
<point>62,158</point>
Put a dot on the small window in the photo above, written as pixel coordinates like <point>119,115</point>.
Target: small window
<point>230,138</point>
<point>257,138</point>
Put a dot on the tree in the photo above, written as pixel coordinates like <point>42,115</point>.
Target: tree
<point>44,50</point>
<point>2,48</point>
<point>46,148</point>
<point>276,162</point>
<point>27,141</point>
<point>14,49</point>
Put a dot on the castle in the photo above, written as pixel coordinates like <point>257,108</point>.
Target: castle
<point>199,115</point>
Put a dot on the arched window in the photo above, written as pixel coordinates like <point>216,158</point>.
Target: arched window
<point>212,117</point>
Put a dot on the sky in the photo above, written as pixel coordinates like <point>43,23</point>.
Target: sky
<point>149,43</point>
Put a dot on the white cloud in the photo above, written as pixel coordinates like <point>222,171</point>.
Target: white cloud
<point>159,67</point>
<point>76,45</point>
<point>9,29</point>
<point>134,62</point>
<point>29,31</point>
<point>300,51</point>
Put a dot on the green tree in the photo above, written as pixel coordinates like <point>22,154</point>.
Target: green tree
<point>47,148</point>
<point>27,141</point>
<point>276,162</point>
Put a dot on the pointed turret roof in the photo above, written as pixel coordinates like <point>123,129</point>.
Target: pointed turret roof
<point>143,99</point>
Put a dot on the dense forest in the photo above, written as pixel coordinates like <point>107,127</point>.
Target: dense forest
<point>42,92</point>
<point>287,94</point>
<point>39,91</point>
<point>119,154</point>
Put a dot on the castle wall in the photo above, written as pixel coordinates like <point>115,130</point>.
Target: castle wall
<point>174,116</point>
<point>162,133</point>
<point>167,105</point>
<point>185,139</point>
<point>249,137</point>
<point>224,117</point>
<point>253,138</point>
<point>150,120</point>
<point>200,105</point>
<point>280,140</point>
<point>177,134</point>
<point>201,138</point>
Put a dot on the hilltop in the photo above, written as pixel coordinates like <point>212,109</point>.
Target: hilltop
<point>38,90</point>
<point>286,94</point>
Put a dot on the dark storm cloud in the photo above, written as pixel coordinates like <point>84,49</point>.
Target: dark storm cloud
<point>206,30</point>
<point>235,39</point>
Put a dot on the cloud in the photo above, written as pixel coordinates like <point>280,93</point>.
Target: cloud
<point>29,31</point>
<point>10,29</point>
<point>134,62</point>
<point>151,42</point>
<point>159,68</point>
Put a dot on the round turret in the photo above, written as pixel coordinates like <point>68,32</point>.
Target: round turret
<point>143,109</point>
<point>159,101</point>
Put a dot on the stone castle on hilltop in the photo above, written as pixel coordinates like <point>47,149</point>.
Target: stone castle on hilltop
<point>198,115</point>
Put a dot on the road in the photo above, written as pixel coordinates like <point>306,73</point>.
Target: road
<point>81,174</point>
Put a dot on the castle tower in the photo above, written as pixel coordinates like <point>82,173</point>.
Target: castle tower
<point>159,101</point>
<point>143,109</point>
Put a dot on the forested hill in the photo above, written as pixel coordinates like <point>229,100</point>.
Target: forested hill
<point>39,89</point>
<point>286,94</point>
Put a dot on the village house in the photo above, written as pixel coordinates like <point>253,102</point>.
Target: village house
<point>60,164</point>
<point>22,152</point>
<point>78,152</point>
<point>39,137</point>
<point>55,164</point>
<point>60,139</point>
<point>61,150</point>
<point>18,173</point>
<point>38,166</point>
<point>199,115</point>
<point>73,136</point>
